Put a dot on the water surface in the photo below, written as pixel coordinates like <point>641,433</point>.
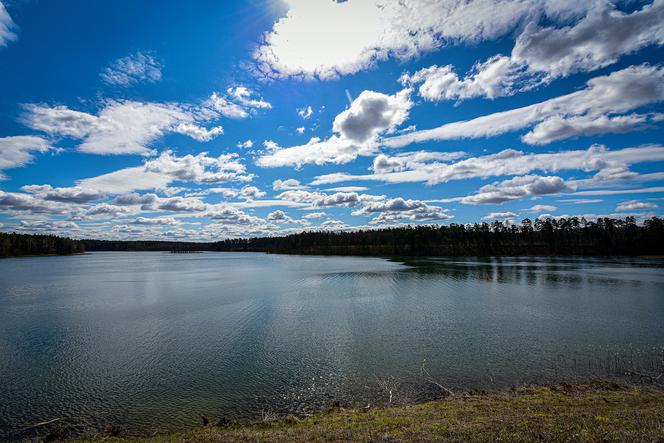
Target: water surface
<point>152,341</point>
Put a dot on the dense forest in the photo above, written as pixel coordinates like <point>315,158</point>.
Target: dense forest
<point>571,236</point>
<point>12,245</point>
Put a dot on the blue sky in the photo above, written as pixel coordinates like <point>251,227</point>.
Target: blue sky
<point>207,120</point>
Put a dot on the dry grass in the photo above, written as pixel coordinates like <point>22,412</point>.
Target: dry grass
<point>598,412</point>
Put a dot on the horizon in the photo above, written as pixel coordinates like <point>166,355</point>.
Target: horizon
<point>235,120</point>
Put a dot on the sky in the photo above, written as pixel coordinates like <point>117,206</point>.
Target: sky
<point>209,120</point>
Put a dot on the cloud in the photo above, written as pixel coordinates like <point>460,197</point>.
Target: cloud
<point>305,112</point>
<point>160,172</point>
<point>6,27</point>
<point>169,221</point>
<point>543,208</point>
<point>319,199</point>
<point>634,205</point>
<point>121,127</point>
<point>75,194</point>
<point>313,215</point>
<point>280,217</point>
<point>199,168</point>
<point>18,151</point>
<point>411,160</point>
<point>349,189</point>
<point>18,202</point>
<point>356,130</point>
<point>251,192</point>
<point>238,102</point>
<point>510,162</point>
<point>284,185</point>
<point>616,93</point>
<point>542,54</point>
<point>325,39</point>
<point>247,144</point>
<point>517,188</point>
<point>300,130</point>
<point>502,216</point>
<point>133,69</point>
<point>394,210</point>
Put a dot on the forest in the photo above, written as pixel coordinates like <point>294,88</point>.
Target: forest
<point>12,245</point>
<point>572,236</point>
<point>562,237</point>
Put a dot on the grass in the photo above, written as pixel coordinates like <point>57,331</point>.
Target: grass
<point>596,412</point>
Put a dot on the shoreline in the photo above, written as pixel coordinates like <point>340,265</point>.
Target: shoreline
<point>596,411</point>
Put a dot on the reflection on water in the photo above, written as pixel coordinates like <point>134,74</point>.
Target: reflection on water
<point>155,340</point>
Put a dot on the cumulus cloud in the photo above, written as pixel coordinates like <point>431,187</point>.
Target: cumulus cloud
<point>133,69</point>
<point>411,160</point>
<point>159,172</point>
<point>356,129</point>
<point>305,112</point>
<point>121,127</point>
<point>307,41</point>
<point>74,194</point>
<point>238,102</point>
<point>6,27</point>
<point>543,208</point>
<point>397,209</point>
<point>608,95</point>
<point>635,205</point>
<point>517,188</point>
<point>510,162</point>
<point>319,199</point>
<point>501,216</point>
<point>247,144</point>
<point>150,221</point>
<point>280,216</point>
<point>251,192</point>
<point>18,151</point>
<point>542,54</point>
<point>288,184</point>
<point>313,215</point>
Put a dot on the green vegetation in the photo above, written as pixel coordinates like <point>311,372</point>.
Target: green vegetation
<point>12,245</point>
<point>599,412</point>
<point>561,237</point>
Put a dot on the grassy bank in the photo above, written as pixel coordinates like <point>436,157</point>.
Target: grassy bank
<point>596,412</point>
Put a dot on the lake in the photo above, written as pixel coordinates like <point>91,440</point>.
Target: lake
<point>153,341</point>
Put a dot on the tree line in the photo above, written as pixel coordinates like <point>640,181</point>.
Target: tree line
<point>564,236</point>
<point>12,245</point>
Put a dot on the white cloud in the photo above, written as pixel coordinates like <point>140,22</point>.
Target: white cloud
<point>305,112</point>
<point>319,199</point>
<point>501,216</point>
<point>280,216</point>
<point>325,39</point>
<point>356,129</point>
<point>251,192</point>
<point>348,189</point>
<point>411,160</point>
<point>390,211</point>
<point>313,215</point>
<point>74,194</point>
<point>543,208</point>
<point>238,102</point>
<point>121,127</point>
<point>517,188</point>
<point>247,144</point>
<point>133,69</point>
<point>510,162</point>
<point>616,93</point>
<point>6,27</point>
<point>542,54</point>
<point>159,172</point>
<point>284,185</point>
<point>635,205</point>
<point>18,151</point>
<point>300,130</point>
<point>154,221</point>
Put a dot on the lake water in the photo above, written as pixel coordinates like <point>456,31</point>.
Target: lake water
<point>152,341</point>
